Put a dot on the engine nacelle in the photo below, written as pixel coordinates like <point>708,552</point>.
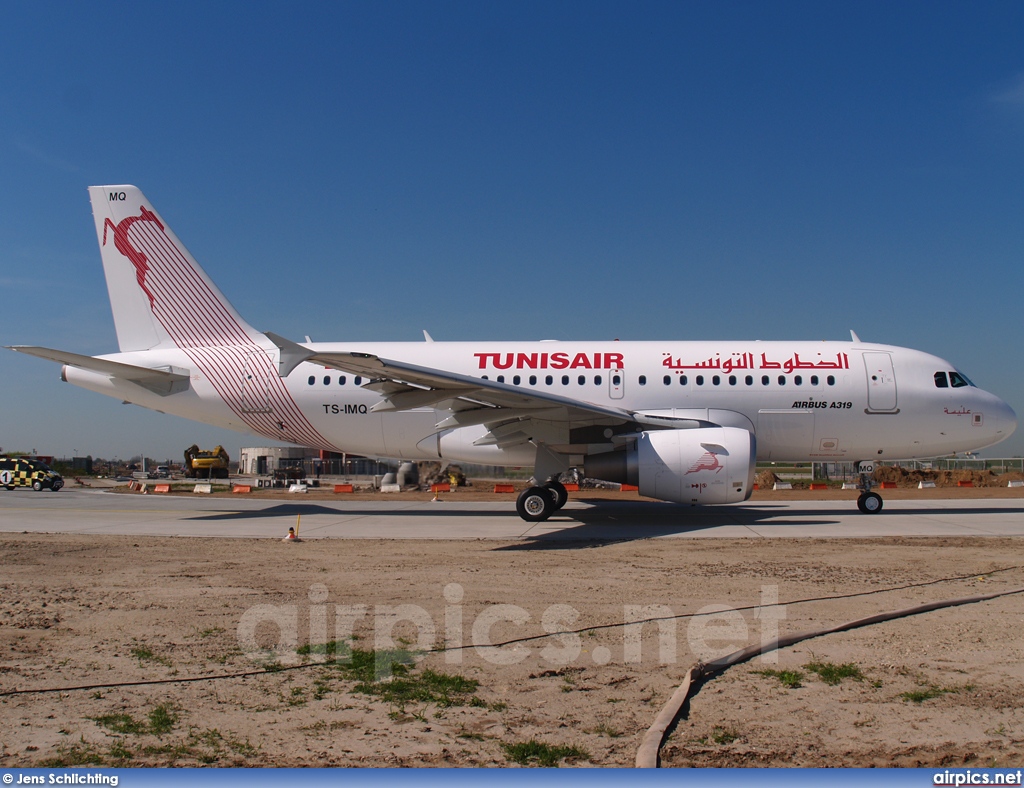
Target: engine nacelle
<point>702,466</point>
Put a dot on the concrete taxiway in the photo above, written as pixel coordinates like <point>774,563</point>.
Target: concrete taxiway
<point>92,512</point>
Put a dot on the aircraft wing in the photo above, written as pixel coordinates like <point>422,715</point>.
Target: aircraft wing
<point>472,400</point>
<point>160,381</point>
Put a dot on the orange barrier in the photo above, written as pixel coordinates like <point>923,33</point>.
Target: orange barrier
<point>242,488</point>
<point>344,488</point>
<point>818,486</point>
<point>629,488</point>
<point>444,487</point>
<point>572,487</point>
<point>888,485</point>
<point>757,486</point>
<point>965,484</point>
<point>162,488</point>
<point>504,488</point>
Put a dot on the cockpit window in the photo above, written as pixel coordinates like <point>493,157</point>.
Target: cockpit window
<point>958,381</point>
<point>940,380</point>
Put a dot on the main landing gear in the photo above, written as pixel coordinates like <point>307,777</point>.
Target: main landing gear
<point>868,502</point>
<point>537,504</point>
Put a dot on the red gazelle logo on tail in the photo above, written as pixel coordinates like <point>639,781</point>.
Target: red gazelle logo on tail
<point>124,246</point>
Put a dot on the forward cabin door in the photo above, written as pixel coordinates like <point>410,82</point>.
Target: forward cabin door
<point>881,380</point>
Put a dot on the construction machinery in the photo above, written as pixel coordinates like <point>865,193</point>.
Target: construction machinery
<point>201,464</point>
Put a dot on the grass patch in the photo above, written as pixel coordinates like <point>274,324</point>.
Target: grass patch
<point>389,675</point>
<point>833,674</point>
<point>80,753</point>
<point>921,695</point>
<point>118,751</point>
<point>537,753</point>
<point>931,691</point>
<point>122,723</point>
<point>788,678</point>
<point>160,720</point>
<point>145,654</point>
<point>723,735</point>
<point>442,689</point>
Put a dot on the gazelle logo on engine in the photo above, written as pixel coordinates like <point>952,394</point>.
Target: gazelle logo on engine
<point>706,462</point>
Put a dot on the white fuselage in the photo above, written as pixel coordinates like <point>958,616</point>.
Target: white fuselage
<point>825,401</point>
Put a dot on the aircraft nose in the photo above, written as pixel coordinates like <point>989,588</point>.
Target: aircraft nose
<point>1004,421</point>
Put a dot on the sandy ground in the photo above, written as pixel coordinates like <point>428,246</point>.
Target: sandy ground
<point>87,611</point>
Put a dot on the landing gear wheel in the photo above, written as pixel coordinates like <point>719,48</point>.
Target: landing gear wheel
<point>535,504</point>
<point>37,485</point>
<point>870,503</point>
<point>558,493</point>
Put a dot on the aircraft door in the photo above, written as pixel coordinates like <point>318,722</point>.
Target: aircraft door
<point>616,383</point>
<point>881,379</point>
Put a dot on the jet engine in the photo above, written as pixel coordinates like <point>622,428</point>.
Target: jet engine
<point>709,465</point>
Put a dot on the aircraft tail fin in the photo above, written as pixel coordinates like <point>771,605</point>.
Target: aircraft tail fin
<point>159,294</point>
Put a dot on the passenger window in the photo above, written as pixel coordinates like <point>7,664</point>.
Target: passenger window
<point>358,381</point>
<point>798,381</point>
<point>940,380</point>
<point>549,380</point>
<point>667,379</point>
<point>764,380</point>
<point>683,380</point>
<point>958,381</point>
<point>533,380</point>
<point>814,380</point>
<point>716,380</point>
<point>312,379</point>
<point>699,380</point>
<point>749,380</point>
<point>597,380</point>
<point>831,380</point>
<point>565,380</point>
<point>501,378</point>
<point>732,380</point>
<point>643,380</point>
<point>782,380</point>
<point>327,380</point>
<point>482,377</point>
<point>515,380</point>
<point>341,381</point>
<point>582,379</point>
<point>616,380</point>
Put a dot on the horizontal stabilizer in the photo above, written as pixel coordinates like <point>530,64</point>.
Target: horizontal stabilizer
<point>292,353</point>
<point>166,381</point>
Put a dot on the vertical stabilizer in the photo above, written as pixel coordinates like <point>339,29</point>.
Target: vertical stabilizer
<point>159,295</point>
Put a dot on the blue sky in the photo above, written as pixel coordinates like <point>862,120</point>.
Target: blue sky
<point>517,170</point>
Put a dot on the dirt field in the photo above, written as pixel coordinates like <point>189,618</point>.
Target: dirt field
<point>942,688</point>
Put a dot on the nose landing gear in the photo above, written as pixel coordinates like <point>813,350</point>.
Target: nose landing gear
<point>868,502</point>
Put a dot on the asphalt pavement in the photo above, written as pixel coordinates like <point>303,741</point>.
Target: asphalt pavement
<point>96,512</point>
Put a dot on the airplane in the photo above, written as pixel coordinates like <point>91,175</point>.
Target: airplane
<point>683,421</point>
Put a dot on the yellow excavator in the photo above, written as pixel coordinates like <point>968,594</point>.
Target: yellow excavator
<point>201,464</point>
